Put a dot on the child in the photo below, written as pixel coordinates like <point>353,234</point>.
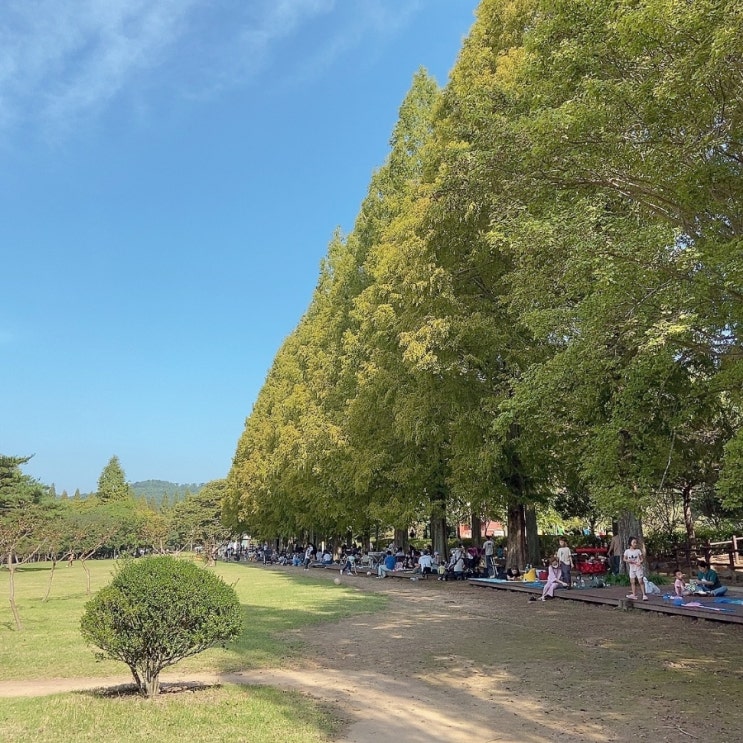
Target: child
<point>633,558</point>
<point>678,585</point>
<point>565,557</point>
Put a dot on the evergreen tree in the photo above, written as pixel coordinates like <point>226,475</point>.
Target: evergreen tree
<point>112,485</point>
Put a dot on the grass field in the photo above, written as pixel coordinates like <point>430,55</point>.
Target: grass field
<point>50,646</point>
<point>217,714</point>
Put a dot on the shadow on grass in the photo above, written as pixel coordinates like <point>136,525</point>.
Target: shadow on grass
<point>277,606</point>
<point>130,690</point>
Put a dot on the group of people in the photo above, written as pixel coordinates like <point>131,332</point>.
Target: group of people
<point>463,563</point>
<point>707,582</point>
<point>428,562</point>
<point>558,575</point>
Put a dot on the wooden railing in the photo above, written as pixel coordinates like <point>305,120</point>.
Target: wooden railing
<point>730,551</point>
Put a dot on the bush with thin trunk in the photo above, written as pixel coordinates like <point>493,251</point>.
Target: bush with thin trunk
<point>157,611</point>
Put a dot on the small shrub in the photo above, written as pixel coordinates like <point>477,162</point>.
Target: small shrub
<point>157,611</point>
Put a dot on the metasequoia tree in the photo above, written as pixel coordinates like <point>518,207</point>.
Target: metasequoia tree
<point>541,294</point>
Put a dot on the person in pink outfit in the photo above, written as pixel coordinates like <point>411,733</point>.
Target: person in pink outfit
<point>554,579</point>
<point>679,586</point>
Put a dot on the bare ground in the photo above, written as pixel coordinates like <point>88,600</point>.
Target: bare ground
<point>451,662</point>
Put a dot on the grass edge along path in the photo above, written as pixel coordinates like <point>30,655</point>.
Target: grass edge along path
<point>50,645</point>
<point>212,713</point>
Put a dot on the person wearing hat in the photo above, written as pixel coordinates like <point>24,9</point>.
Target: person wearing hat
<point>708,582</point>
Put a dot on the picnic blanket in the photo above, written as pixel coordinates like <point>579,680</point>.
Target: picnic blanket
<point>721,600</point>
<point>532,583</point>
<point>678,601</point>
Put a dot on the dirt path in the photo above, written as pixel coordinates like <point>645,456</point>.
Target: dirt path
<point>452,663</point>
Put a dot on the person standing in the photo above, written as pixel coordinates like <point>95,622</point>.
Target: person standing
<point>489,547</point>
<point>634,560</point>
<point>565,557</point>
<point>614,553</point>
<point>309,555</point>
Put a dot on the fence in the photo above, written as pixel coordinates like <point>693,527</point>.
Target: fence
<point>730,551</point>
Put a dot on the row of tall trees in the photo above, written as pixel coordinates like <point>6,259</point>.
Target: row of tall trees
<point>541,297</point>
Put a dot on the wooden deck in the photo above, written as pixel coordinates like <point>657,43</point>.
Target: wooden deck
<point>617,596</point>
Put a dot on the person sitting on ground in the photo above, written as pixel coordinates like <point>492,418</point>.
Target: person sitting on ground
<point>327,558</point>
<point>554,579</point>
<point>455,569</point>
<point>679,587</point>
<point>388,566</point>
<point>708,582</point>
<point>513,574</point>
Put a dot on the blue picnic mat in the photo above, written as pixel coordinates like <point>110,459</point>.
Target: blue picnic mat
<point>533,583</point>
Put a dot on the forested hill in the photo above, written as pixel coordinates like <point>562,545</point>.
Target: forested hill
<point>156,490</point>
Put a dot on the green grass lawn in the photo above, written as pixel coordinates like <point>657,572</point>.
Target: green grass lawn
<point>50,645</point>
<point>218,714</point>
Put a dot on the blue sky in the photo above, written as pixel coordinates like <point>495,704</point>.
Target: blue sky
<point>171,173</point>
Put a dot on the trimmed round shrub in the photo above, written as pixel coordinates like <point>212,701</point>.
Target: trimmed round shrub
<point>157,611</point>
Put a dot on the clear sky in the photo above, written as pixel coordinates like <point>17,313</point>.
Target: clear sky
<point>171,173</point>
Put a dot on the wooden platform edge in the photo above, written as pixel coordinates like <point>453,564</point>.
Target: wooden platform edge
<point>620,602</point>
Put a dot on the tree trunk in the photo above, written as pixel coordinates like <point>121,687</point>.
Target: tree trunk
<point>151,683</point>
<point>440,536</point>
<point>210,554</point>
<point>533,553</point>
<point>49,583</point>
<point>516,539</point>
<point>439,530</point>
<point>83,562</point>
<point>401,539</point>
<point>11,590</point>
<point>688,517</point>
<point>476,530</point>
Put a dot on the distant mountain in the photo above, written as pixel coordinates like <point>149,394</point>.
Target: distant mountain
<point>155,491</point>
